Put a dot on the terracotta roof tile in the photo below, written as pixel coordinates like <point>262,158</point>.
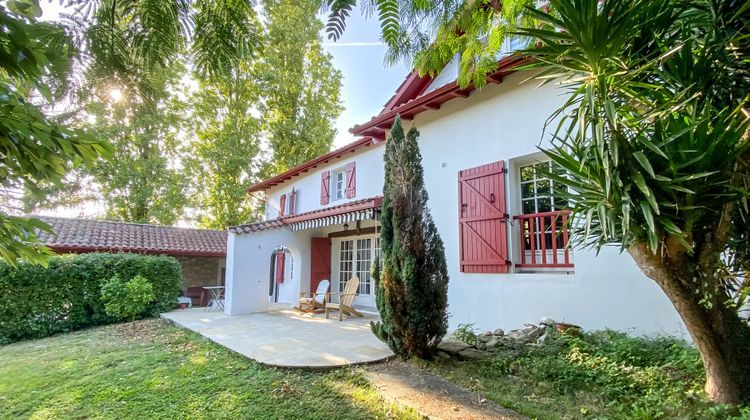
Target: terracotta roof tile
<point>83,235</point>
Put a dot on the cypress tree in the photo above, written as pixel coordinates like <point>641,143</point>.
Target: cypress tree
<point>411,276</point>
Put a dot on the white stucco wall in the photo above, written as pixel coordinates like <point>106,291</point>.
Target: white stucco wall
<point>500,122</point>
<point>369,182</point>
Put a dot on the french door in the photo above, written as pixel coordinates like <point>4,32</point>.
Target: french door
<point>355,257</point>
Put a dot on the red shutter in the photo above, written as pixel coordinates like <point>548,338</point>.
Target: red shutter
<point>293,202</point>
<point>280,267</point>
<point>351,179</point>
<point>320,261</point>
<point>325,185</point>
<point>482,219</point>
<point>282,205</point>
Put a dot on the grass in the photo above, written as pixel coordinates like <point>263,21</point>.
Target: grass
<point>598,375</point>
<point>157,370</point>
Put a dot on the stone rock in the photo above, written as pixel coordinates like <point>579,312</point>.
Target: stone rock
<point>472,354</point>
<point>443,355</point>
<point>452,346</point>
<point>492,343</point>
<point>547,321</point>
<point>498,332</point>
<point>484,338</point>
<point>527,335</point>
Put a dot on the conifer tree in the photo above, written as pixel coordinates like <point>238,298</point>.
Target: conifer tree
<point>411,275</point>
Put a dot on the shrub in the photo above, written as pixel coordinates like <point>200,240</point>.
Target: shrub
<point>127,300</point>
<point>37,302</point>
<point>411,277</point>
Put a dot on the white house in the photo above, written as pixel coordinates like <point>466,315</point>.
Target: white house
<point>480,151</point>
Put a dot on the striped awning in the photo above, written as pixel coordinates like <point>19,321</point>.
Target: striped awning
<point>339,219</point>
<point>363,209</point>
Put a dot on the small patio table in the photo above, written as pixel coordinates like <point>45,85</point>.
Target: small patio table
<point>215,297</point>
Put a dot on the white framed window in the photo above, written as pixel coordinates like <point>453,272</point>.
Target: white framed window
<point>364,261</point>
<point>538,190</point>
<point>346,263</point>
<point>338,184</point>
<point>355,259</point>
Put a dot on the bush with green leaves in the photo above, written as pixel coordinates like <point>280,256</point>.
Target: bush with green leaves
<point>127,300</point>
<point>411,275</point>
<point>66,295</point>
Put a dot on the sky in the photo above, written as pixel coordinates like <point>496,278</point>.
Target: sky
<point>368,83</point>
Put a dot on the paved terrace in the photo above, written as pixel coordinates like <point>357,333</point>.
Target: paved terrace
<point>286,338</point>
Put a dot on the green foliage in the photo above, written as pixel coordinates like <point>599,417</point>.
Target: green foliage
<point>466,333</point>
<point>289,96</point>
<point>411,277</point>
<point>430,33</point>
<point>132,41</point>
<point>35,59</point>
<point>602,374</point>
<point>65,296</point>
<point>127,300</point>
<point>339,11</point>
<point>142,181</point>
<point>300,85</point>
<point>226,155</point>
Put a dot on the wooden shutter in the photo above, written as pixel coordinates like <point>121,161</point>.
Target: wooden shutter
<point>293,202</point>
<point>351,179</point>
<point>282,205</point>
<point>482,219</point>
<point>279,267</point>
<point>320,261</point>
<point>325,186</point>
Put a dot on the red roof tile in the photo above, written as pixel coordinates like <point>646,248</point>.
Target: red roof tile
<point>82,235</point>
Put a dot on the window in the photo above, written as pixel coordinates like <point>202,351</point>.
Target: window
<point>346,263</point>
<point>364,254</point>
<point>338,184</point>
<point>356,260</point>
<point>543,219</point>
<point>538,190</point>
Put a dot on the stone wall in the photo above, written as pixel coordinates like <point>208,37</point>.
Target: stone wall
<point>200,271</point>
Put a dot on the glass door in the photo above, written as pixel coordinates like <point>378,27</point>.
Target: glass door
<point>355,258</point>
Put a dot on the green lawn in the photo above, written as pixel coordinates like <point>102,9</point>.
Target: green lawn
<point>599,375</point>
<point>161,371</point>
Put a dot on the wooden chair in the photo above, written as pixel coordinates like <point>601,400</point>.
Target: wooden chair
<point>315,301</point>
<point>346,300</point>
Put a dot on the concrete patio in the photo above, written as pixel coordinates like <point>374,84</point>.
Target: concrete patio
<point>286,338</point>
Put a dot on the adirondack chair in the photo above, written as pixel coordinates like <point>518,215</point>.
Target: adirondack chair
<point>346,300</point>
<point>315,301</point>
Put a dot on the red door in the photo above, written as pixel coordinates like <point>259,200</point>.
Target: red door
<point>320,261</point>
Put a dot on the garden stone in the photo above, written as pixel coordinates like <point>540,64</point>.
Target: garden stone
<point>452,347</point>
<point>443,355</point>
<point>498,332</point>
<point>547,321</point>
<point>472,354</point>
<point>492,343</point>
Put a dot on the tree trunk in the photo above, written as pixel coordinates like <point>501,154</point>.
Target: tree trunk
<point>721,337</point>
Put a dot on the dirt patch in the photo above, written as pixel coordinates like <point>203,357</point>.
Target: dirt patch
<point>142,330</point>
<point>430,395</point>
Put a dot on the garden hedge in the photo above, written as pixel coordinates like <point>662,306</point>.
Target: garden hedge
<point>65,296</point>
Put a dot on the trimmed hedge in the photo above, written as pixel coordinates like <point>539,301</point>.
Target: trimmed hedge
<point>36,301</point>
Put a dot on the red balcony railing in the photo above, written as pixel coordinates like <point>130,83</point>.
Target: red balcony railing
<point>544,240</point>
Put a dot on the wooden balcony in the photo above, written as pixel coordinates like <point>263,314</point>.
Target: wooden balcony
<point>544,240</point>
